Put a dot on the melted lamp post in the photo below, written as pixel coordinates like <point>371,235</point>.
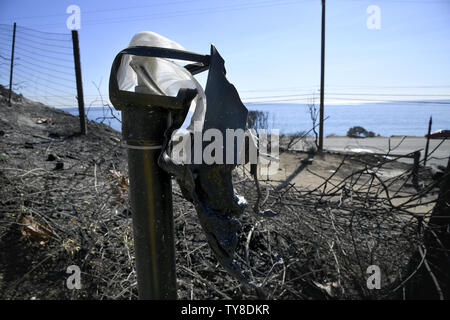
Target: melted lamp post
<point>145,118</point>
<point>154,94</point>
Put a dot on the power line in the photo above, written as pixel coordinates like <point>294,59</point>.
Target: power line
<point>44,73</point>
<point>168,3</point>
<point>387,94</point>
<point>272,101</point>
<point>45,62</point>
<point>45,91</point>
<point>32,86</point>
<point>33,47</point>
<point>50,34</point>
<point>37,34</point>
<point>153,5</point>
<point>84,12</point>
<point>48,44</point>
<point>72,74</point>
<point>261,4</point>
<point>315,88</point>
<point>350,96</point>
<point>44,79</point>
<point>390,87</point>
<point>282,96</point>
<point>59,95</point>
<point>403,1</point>
<point>308,88</point>
<point>396,101</point>
<point>28,48</point>
<point>44,38</point>
<point>7,37</point>
<point>302,97</point>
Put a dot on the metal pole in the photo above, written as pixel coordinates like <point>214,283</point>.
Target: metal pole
<point>151,202</point>
<point>80,98</point>
<point>12,64</point>
<point>322,78</point>
<point>415,171</point>
<point>145,120</point>
<point>428,142</point>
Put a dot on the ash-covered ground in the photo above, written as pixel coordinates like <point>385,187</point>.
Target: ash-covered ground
<point>64,201</point>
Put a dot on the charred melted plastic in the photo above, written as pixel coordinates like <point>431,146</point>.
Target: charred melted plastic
<point>209,186</point>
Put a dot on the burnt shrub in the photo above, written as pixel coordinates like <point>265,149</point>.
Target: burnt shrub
<point>359,132</point>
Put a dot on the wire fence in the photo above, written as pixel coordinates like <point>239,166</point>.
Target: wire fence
<point>44,72</point>
<point>43,65</point>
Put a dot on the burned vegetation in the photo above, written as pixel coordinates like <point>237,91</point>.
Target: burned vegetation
<point>64,201</point>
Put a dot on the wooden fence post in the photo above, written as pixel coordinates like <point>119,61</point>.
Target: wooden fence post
<point>415,171</point>
<point>12,64</point>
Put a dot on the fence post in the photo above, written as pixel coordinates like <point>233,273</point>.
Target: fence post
<point>322,79</point>
<point>12,64</point>
<point>415,171</point>
<point>76,56</point>
<point>428,142</point>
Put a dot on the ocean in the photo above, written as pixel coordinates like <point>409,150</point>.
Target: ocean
<point>385,119</point>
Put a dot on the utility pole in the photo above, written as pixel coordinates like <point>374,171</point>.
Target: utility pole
<point>428,142</point>
<point>80,98</point>
<point>12,64</point>
<point>322,79</point>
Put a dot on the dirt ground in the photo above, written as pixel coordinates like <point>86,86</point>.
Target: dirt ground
<point>308,171</point>
<point>438,149</point>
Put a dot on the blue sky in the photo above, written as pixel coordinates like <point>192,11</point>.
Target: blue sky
<point>271,48</point>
